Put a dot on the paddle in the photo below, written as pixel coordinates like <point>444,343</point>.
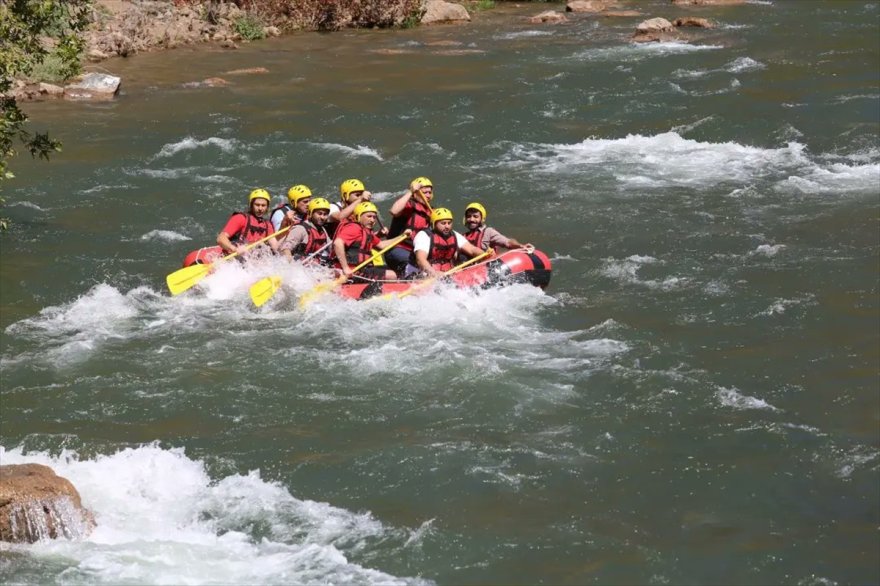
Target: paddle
<point>425,200</point>
<point>430,281</point>
<point>185,278</point>
<point>321,288</point>
<point>263,290</point>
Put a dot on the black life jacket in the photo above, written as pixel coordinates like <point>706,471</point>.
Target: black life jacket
<point>255,229</point>
<point>441,252</point>
<point>331,225</point>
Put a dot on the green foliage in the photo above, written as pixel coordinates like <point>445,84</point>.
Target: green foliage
<point>31,31</point>
<point>249,27</point>
<point>484,5</point>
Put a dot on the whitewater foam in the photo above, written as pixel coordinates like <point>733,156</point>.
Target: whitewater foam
<point>161,519</point>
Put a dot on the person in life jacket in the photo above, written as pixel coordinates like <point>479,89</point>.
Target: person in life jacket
<point>295,210</point>
<point>354,242</point>
<point>351,192</point>
<point>244,228</point>
<point>435,250</point>
<point>412,211</point>
<point>309,239</point>
<point>482,236</point>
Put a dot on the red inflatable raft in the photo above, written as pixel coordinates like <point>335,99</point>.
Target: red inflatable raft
<point>513,266</point>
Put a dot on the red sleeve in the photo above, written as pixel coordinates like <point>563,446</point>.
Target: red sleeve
<point>235,225</point>
<point>349,233</point>
<point>375,241</point>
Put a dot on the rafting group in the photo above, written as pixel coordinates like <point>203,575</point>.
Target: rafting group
<point>417,248</point>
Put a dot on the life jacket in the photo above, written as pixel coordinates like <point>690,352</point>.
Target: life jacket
<point>441,251</point>
<point>418,220</point>
<point>332,226</point>
<point>475,237</point>
<point>317,240</point>
<point>361,249</point>
<point>284,208</point>
<point>255,229</point>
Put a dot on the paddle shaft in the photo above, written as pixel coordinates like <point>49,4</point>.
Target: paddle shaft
<point>454,269</point>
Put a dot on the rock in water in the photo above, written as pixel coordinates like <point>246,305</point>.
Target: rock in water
<point>36,504</point>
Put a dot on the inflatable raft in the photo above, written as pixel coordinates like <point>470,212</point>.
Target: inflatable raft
<point>513,266</point>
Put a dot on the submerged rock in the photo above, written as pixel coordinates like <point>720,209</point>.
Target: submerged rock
<point>37,504</point>
<point>548,16</point>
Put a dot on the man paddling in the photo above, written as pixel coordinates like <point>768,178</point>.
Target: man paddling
<point>245,228</point>
<point>309,238</point>
<point>295,210</point>
<point>354,242</point>
<point>435,249</point>
<point>412,211</point>
<point>483,236</point>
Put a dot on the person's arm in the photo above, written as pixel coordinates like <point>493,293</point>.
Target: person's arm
<point>294,238</point>
<point>349,209</point>
<point>339,249</point>
<point>385,243</point>
<point>494,238</point>
<point>399,204</point>
<point>421,244</point>
<point>235,225</point>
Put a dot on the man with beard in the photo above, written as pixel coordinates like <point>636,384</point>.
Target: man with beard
<point>309,237</point>
<point>482,236</point>
<point>435,249</point>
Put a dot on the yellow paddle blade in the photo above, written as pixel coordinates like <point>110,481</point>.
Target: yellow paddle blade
<point>321,288</point>
<point>182,279</point>
<point>263,290</point>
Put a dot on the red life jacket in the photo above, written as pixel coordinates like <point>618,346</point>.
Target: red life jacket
<point>360,249</point>
<point>475,237</point>
<point>419,219</point>
<point>255,229</point>
<point>317,240</point>
<point>441,252</point>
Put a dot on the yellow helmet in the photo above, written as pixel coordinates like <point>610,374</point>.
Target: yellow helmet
<point>424,181</point>
<point>319,203</point>
<point>348,186</point>
<point>259,193</point>
<point>474,206</point>
<point>298,192</point>
<point>440,214</point>
<point>364,207</point>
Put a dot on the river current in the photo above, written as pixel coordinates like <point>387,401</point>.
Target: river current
<point>695,398</point>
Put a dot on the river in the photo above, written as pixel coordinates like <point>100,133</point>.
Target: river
<point>695,398</point>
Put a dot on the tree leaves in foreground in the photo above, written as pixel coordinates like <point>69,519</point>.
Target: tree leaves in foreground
<point>30,32</point>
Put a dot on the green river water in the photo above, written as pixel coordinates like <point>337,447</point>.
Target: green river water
<point>695,398</point>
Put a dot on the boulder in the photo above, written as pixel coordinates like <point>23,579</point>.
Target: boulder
<point>588,6</point>
<point>693,21</point>
<point>549,16</point>
<point>655,30</point>
<point>437,11</point>
<point>37,504</point>
<point>93,86</point>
